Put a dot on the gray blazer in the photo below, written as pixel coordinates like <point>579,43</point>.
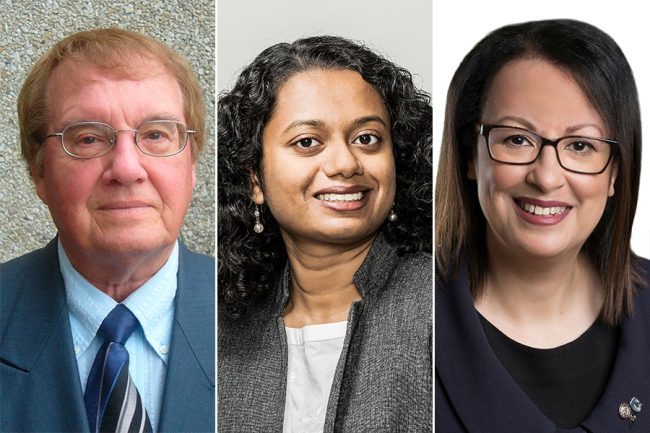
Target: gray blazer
<point>383,380</point>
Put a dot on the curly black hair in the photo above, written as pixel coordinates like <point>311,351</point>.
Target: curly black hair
<point>249,263</point>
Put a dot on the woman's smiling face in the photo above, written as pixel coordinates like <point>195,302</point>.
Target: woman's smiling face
<point>328,173</point>
<point>539,210</point>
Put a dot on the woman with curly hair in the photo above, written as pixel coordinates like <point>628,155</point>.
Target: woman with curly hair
<point>324,259</point>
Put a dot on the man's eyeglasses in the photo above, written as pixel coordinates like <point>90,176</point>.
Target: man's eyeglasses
<point>519,146</point>
<point>87,140</point>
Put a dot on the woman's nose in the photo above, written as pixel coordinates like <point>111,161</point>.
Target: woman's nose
<point>546,172</point>
<point>342,161</point>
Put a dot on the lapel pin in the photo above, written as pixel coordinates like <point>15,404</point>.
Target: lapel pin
<point>625,412</point>
<point>635,405</point>
<point>629,411</point>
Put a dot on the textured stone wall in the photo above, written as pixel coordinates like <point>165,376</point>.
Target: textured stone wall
<point>28,29</point>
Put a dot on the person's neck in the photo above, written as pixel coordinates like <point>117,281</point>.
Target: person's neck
<point>119,275</point>
<point>540,302</point>
<point>322,288</point>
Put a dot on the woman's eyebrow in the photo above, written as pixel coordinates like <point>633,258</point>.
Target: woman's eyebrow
<point>310,122</point>
<point>368,119</point>
<point>530,126</point>
<point>320,124</point>
<point>575,128</point>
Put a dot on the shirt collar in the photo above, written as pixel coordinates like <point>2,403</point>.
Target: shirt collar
<point>152,304</point>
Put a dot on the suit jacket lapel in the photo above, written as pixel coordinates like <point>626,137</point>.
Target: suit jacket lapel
<point>630,376</point>
<point>188,401</point>
<point>37,352</point>
<point>480,389</point>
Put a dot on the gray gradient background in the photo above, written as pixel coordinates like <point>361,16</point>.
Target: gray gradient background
<point>401,31</point>
<point>28,29</point>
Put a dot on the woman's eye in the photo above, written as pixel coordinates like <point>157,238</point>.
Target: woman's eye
<point>366,139</point>
<point>580,147</point>
<point>306,143</point>
<point>517,140</point>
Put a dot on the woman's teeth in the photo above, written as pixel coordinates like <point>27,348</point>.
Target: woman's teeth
<point>538,210</point>
<point>340,197</point>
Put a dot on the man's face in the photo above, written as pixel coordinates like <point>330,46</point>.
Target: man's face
<point>124,203</point>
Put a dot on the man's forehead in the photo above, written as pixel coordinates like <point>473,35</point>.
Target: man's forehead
<point>134,68</point>
<point>76,91</point>
<point>73,73</point>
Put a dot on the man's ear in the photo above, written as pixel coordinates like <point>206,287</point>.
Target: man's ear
<point>39,182</point>
<point>257,195</point>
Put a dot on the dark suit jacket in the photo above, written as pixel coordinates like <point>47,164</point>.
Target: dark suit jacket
<point>39,379</point>
<point>475,393</point>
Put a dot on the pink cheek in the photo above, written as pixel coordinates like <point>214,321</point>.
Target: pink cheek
<point>588,190</point>
<point>72,184</point>
<point>506,176</point>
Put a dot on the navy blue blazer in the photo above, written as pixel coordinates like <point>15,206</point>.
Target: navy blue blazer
<point>474,393</point>
<point>39,380</point>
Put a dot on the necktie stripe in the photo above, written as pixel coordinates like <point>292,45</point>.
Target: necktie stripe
<point>128,408</point>
<point>137,421</point>
<point>107,386</point>
<point>113,407</point>
<point>113,403</point>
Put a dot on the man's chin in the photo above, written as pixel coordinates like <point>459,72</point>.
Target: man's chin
<point>134,246</point>
<point>121,244</point>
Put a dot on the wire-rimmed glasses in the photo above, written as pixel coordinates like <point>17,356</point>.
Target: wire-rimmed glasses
<point>519,146</point>
<point>87,140</point>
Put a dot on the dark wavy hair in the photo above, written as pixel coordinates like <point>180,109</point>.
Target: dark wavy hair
<point>597,64</point>
<point>249,263</point>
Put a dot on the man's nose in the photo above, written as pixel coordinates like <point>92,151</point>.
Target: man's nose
<point>125,165</point>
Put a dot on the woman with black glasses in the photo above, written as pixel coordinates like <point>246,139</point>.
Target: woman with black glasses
<point>541,306</point>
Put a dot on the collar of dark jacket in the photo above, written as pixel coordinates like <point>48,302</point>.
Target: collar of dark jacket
<point>373,273</point>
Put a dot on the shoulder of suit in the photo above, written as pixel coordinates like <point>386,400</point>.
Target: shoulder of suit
<point>196,260</point>
<point>13,271</point>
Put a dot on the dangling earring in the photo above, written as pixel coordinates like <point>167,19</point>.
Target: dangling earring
<point>392,216</point>
<point>258,227</point>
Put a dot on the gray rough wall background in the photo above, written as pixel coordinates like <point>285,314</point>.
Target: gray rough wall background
<point>28,29</point>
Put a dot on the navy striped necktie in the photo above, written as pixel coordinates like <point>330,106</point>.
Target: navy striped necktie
<point>113,403</point>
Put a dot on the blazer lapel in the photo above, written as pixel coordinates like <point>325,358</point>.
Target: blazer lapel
<point>486,397</point>
<point>480,389</point>
<point>38,362</point>
<point>188,401</point>
<point>630,375</point>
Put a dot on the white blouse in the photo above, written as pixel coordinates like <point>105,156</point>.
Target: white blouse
<point>314,352</point>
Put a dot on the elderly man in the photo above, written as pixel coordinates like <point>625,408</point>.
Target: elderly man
<point>110,327</point>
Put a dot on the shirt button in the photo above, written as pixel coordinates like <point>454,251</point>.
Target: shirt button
<point>164,349</point>
<point>76,349</point>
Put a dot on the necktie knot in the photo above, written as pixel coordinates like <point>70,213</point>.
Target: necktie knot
<point>119,324</point>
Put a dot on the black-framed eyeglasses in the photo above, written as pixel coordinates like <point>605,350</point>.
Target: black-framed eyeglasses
<point>87,140</point>
<point>519,146</point>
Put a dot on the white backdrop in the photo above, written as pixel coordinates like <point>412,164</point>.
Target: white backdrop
<point>458,25</point>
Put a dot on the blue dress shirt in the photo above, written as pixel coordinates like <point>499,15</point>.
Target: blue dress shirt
<point>148,346</point>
